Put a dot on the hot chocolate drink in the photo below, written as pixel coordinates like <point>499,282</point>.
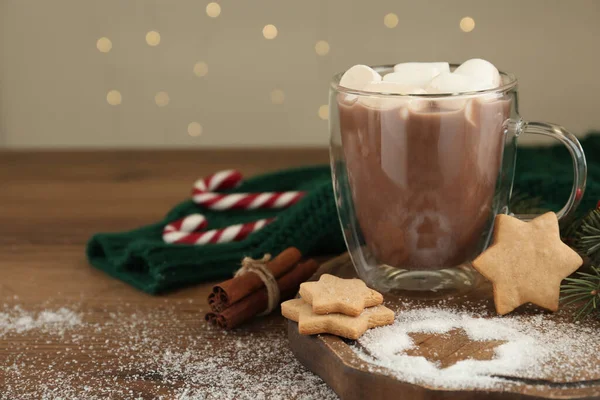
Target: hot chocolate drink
<point>422,170</point>
<point>422,160</point>
<point>423,176</point>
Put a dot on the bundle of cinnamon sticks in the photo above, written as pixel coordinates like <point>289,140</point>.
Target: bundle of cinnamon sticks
<point>243,297</point>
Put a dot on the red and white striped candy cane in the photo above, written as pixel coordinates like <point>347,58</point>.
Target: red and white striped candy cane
<point>221,180</point>
<point>178,230</point>
<point>191,223</point>
<point>204,194</point>
<point>190,229</point>
<point>224,235</point>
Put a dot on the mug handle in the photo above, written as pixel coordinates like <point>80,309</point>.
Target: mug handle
<point>579,163</point>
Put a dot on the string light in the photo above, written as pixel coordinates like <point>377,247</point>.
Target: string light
<point>200,69</point>
<point>322,48</point>
<point>390,20</point>
<point>114,98</point>
<point>161,99</point>
<point>153,38</point>
<point>324,112</point>
<point>213,10</point>
<point>104,45</point>
<point>270,31</point>
<point>194,129</point>
<point>467,24</point>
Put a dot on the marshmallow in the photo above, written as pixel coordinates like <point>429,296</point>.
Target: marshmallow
<point>358,77</point>
<point>416,74</point>
<point>347,99</point>
<point>481,71</point>
<point>393,87</point>
<point>436,67</point>
<point>383,102</point>
<point>449,82</point>
<point>418,78</point>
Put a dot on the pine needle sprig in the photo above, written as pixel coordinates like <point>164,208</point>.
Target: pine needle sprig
<point>587,239</point>
<point>585,290</point>
<point>569,229</point>
<point>523,204</point>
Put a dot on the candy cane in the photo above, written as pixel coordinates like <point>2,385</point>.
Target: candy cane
<point>222,180</point>
<point>204,194</point>
<point>190,229</point>
<point>224,235</point>
<point>191,223</point>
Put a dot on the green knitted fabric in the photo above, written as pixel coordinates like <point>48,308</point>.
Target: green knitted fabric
<point>547,173</point>
<point>142,259</point>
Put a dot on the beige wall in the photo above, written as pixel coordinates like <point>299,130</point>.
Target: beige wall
<point>54,81</point>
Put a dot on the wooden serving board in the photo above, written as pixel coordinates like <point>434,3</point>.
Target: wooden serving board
<point>352,378</point>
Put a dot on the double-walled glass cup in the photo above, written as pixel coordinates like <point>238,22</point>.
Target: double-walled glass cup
<point>418,179</point>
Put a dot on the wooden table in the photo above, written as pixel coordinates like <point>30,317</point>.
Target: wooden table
<point>50,204</point>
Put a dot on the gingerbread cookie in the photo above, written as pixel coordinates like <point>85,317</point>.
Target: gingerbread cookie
<point>310,323</point>
<point>527,262</point>
<point>335,295</point>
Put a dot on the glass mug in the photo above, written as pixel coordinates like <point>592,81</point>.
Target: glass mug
<point>418,180</point>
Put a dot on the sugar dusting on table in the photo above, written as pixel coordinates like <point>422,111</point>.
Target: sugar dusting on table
<point>535,347</point>
<point>150,353</point>
<point>17,320</point>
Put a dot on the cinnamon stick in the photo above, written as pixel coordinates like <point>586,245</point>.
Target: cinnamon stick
<point>257,302</point>
<point>233,290</point>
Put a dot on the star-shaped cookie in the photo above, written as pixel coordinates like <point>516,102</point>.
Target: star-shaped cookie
<point>310,323</point>
<point>336,295</point>
<point>527,262</point>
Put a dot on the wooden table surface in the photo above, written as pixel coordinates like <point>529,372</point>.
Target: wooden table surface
<point>126,344</point>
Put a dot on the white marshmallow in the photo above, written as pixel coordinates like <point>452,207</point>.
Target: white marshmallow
<point>347,99</point>
<point>382,102</point>
<point>480,70</point>
<point>418,78</point>
<point>358,77</point>
<point>417,74</point>
<point>436,67</point>
<point>456,83</point>
<point>415,105</point>
<point>452,103</point>
<point>393,87</point>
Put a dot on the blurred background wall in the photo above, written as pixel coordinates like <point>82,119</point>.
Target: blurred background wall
<point>183,73</point>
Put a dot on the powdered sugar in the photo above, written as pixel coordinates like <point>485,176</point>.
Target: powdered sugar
<point>154,352</point>
<point>148,353</point>
<point>17,320</point>
<point>534,347</point>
